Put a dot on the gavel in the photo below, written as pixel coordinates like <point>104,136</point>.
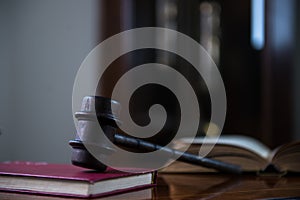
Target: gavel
<point>107,116</point>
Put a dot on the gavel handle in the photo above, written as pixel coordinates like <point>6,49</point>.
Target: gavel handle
<point>183,156</point>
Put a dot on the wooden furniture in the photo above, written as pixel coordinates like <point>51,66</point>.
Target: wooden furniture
<point>217,186</point>
<point>259,83</point>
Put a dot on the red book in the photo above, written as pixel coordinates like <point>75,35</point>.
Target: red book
<point>69,180</point>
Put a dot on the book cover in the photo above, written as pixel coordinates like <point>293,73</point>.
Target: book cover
<point>69,180</point>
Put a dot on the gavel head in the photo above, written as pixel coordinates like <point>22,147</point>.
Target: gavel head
<point>98,113</point>
<point>95,111</point>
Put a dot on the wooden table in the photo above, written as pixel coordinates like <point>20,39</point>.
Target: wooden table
<point>202,186</point>
<point>212,186</point>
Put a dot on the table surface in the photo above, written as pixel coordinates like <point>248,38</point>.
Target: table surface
<point>227,186</point>
<point>202,186</point>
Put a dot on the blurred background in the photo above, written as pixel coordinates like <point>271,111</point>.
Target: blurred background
<point>255,44</point>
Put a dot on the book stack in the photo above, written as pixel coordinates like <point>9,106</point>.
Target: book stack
<point>69,180</point>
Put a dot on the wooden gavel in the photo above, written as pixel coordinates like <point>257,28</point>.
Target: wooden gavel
<point>107,118</point>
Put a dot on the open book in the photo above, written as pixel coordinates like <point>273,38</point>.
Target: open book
<point>245,151</point>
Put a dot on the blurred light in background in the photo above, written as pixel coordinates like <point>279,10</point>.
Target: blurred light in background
<point>258,24</point>
<point>210,29</point>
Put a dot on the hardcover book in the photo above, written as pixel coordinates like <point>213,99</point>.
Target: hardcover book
<point>249,153</point>
<point>69,180</point>
<point>148,193</point>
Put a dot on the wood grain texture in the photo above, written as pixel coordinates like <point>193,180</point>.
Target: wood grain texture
<point>217,186</point>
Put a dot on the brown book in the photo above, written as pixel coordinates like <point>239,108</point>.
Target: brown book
<point>249,153</point>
